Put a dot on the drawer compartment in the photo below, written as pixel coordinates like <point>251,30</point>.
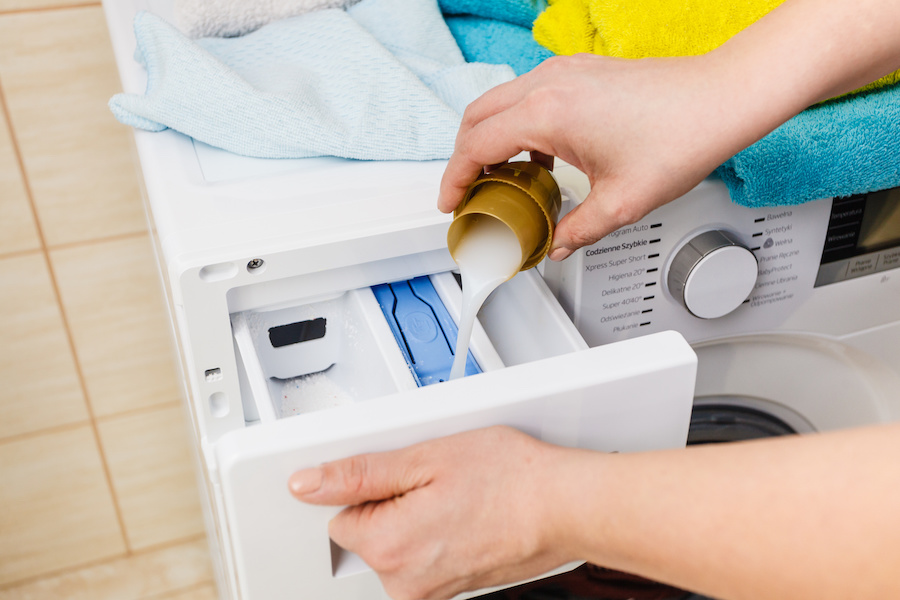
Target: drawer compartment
<point>351,356</point>
<point>337,350</point>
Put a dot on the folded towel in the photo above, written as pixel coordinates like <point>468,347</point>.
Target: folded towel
<point>227,18</point>
<point>313,85</point>
<point>519,12</point>
<point>497,42</point>
<point>838,148</point>
<point>429,49</point>
<point>646,28</point>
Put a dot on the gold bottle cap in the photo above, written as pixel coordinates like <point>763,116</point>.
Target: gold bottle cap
<point>523,196</point>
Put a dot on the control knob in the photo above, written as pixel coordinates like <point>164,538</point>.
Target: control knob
<point>712,274</point>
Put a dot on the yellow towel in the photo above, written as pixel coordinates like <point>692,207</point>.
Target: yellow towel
<point>645,28</point>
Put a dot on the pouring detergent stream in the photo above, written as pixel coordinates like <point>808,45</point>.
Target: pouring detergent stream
<point>488,255</point>
<point>503,225</point>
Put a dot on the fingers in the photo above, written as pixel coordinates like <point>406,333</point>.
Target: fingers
<point>491,142</point>
<point>481,146</point>
<point>493,129</point>
<point>359,479</point>
<point>364,530</point>
<point>500,98</point>
<point>602,212</point>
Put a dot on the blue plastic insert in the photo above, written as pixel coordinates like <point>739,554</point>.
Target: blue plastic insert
<point>422,327</point>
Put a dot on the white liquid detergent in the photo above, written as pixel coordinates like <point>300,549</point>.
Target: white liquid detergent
<point>488,255</point>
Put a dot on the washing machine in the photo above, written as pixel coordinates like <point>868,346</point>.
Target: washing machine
<point>313,306</point>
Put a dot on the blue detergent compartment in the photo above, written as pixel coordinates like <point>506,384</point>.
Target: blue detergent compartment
<point>422,327</point>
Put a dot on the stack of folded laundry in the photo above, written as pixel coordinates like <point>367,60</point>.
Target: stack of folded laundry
<point>846,146</point>
<point>389,79</point>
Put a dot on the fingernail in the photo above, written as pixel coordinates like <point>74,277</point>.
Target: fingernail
<point>305,482</point>
<point>560,253</point>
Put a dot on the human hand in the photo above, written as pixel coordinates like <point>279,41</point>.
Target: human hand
<point>643,131</point>
<point>435,519</point>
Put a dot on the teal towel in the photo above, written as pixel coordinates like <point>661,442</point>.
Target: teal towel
<point>519,12</point>
<point>384,80</point>
<point>497,42</point>
<point>839,148</point>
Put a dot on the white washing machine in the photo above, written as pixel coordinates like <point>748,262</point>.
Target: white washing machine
<point>312,303</point>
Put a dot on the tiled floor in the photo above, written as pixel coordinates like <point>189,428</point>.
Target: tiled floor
<point>98,493</point>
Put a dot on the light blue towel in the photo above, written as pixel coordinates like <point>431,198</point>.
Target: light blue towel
<point>320,84</point>
<point>519,12</point>
<point>428,49</point>
<point>843,147</point>
<point>497,42</point>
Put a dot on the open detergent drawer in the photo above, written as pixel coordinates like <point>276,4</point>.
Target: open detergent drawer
<point>327,378</point>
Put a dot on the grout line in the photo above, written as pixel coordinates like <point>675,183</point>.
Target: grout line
<point>43,9</point>
<point>20,253</point>
<point>139,411</point>
<point>18,437</point>
<point>162,547</point>
<point>29,192</point>
<point>12,585</point>
<point>169,544</point>
<point>99,240</point>
<point>73,245</point>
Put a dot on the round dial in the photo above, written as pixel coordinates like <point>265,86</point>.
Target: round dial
<point>712,274</point>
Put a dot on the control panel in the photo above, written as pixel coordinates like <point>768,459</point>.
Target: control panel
<point>708,268</point>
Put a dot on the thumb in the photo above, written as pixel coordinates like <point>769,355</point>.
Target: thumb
<point>590,221</point>
<point>355,480</point>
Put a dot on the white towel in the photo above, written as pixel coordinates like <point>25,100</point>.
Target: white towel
<point>231,18</point>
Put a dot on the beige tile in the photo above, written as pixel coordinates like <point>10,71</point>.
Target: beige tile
<point>57,511</point>
<point>157,573</point>
<point>114,304</point>
<point>17,229</point>
<point>58,73</point>
<point>40,383</point>
<point>149,457</point>
<point>203,592</point>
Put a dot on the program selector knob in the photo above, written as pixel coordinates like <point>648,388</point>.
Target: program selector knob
<point>712,274</point>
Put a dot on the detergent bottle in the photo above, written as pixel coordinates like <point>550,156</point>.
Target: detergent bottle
<point>503,225</point>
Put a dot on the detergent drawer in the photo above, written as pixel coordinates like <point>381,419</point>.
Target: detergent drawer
<point>536,375</point>
<point>352,346</point>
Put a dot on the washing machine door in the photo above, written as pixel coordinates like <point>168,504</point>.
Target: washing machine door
<point>810,383</point>
<point>725,419</point>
